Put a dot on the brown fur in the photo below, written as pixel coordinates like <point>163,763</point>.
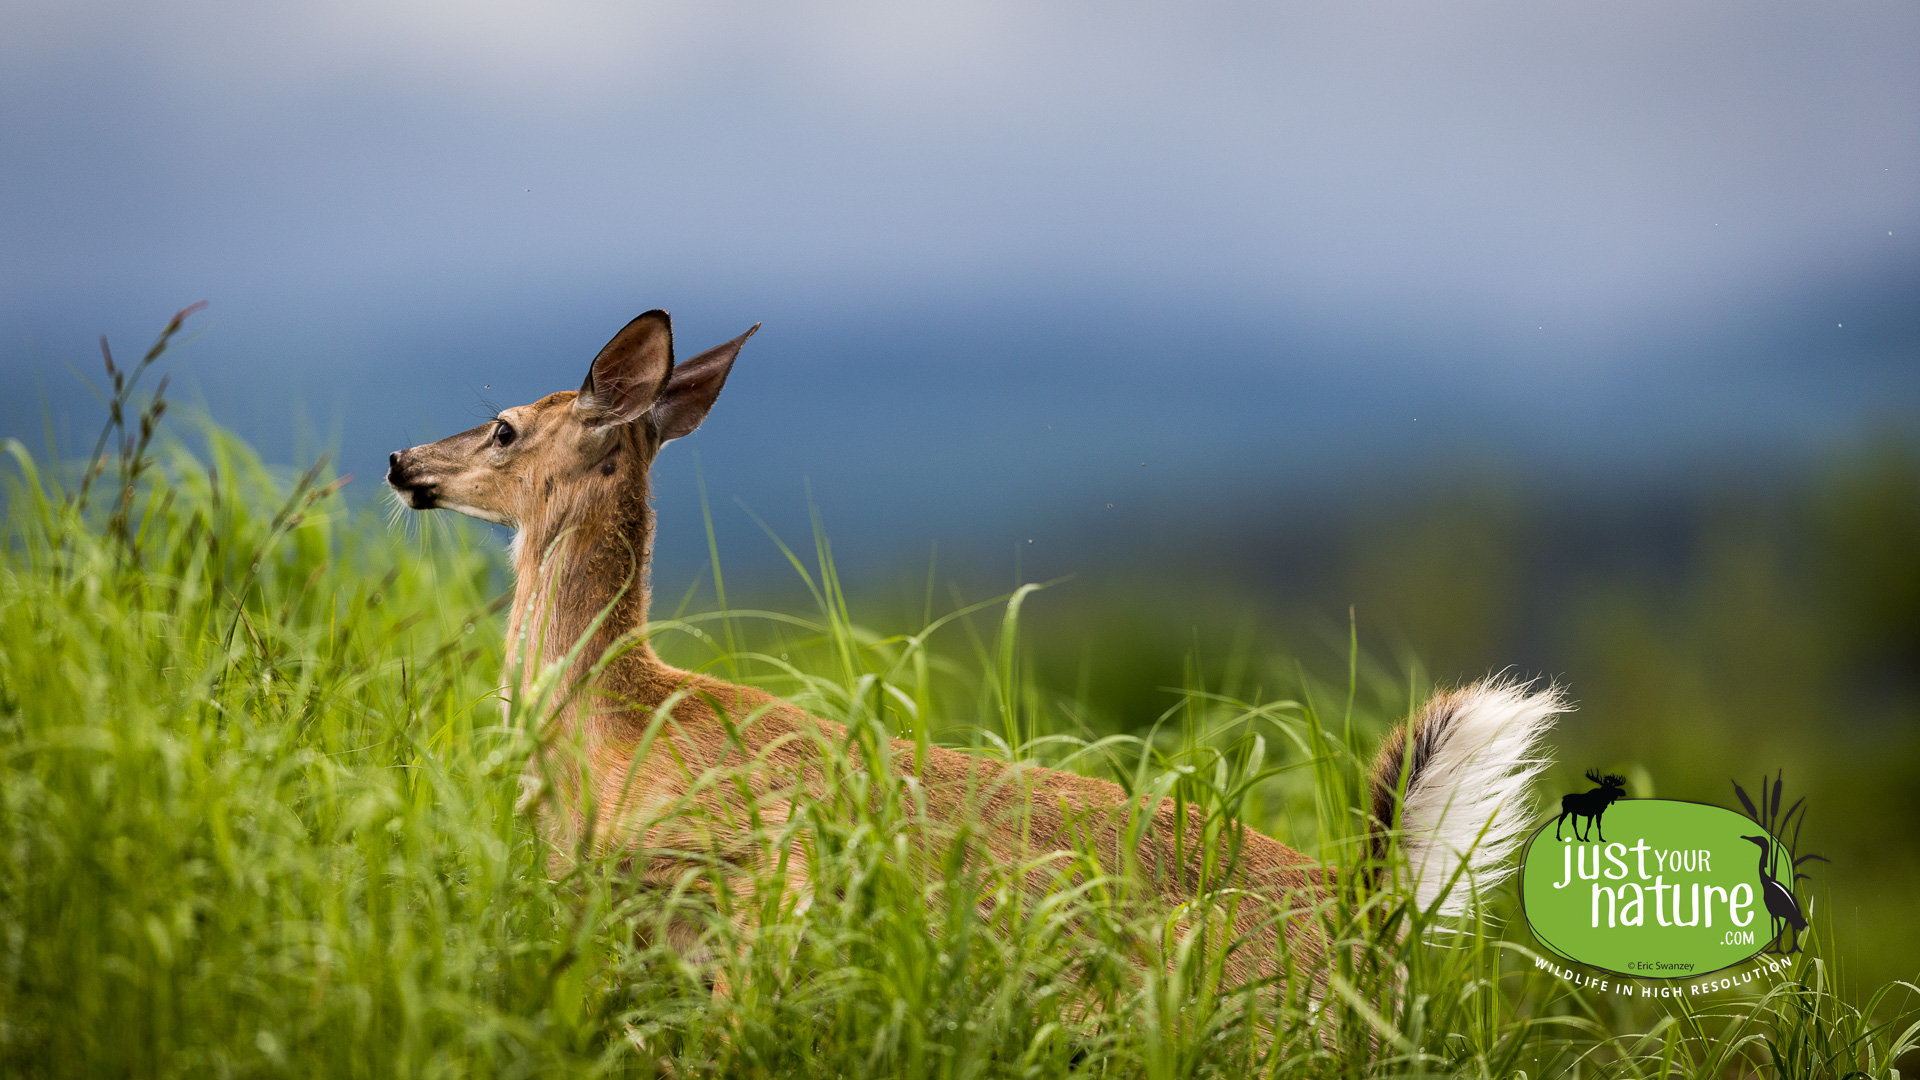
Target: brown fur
<point>1395,761</point>
<point>574,481</point>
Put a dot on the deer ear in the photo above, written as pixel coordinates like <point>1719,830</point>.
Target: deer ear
<point>692,388</point>
<point>627,375</point>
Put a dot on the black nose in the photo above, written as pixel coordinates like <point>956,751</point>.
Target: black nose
<point>393,467</point>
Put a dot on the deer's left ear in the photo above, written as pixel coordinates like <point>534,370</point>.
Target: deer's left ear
<point>692,388</point>
<point>627,375</point>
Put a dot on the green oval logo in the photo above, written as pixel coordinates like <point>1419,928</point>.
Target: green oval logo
<point>1657,889</point>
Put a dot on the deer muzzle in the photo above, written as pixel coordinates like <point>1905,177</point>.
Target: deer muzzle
<point>417,492</point>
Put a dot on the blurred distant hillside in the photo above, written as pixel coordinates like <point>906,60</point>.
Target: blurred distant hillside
<point>1707,633</point>
<point>1707,630</point>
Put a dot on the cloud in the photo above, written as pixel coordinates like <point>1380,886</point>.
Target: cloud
<point>1490,161</point>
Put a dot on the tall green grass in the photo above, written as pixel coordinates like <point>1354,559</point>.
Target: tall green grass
<point>258,817</point>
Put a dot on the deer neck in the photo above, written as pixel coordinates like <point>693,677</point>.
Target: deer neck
<point>580,588</point>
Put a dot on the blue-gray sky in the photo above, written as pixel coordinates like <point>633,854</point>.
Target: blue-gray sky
<point>1256,245</point>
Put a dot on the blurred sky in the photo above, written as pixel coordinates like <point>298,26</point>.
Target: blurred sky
<point>1015,261</point>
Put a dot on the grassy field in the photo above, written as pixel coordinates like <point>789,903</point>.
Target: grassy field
<point>257,817</point>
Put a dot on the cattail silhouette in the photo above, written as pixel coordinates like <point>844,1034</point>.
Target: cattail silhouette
<point>1780,833</point>
<point>1779,899</point>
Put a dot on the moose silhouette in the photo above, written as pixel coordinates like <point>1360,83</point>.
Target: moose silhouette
<point>1589,805</point>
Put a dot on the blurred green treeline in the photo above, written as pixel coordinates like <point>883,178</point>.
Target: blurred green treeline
<point>257,791</point>
<point>1707,633</point>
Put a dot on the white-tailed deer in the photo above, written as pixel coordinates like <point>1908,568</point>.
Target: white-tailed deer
<point>570,473</point>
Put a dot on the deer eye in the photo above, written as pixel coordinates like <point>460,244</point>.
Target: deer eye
<point>503,433</point>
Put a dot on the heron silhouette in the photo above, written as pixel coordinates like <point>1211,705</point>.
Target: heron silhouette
<point>1780,902</point>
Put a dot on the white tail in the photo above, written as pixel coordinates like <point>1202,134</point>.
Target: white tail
<point>1469,757</point>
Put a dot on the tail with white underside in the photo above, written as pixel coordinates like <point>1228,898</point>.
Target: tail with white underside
<point>1469,761</point>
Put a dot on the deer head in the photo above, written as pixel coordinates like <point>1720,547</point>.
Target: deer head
<point>532,463</point>
<point>572,467</point>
